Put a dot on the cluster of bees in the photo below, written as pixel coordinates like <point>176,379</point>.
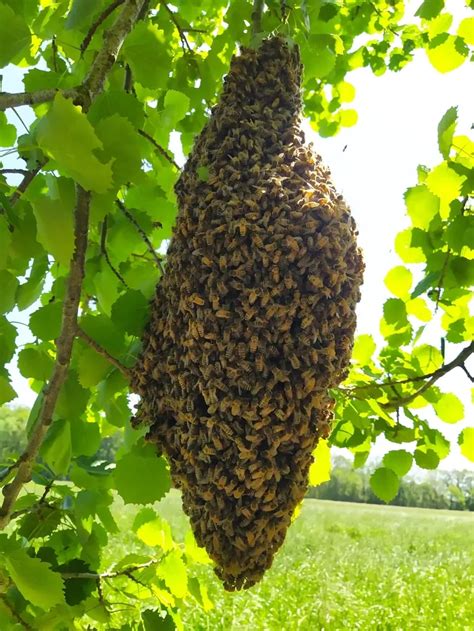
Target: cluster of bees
<point>253,320</point>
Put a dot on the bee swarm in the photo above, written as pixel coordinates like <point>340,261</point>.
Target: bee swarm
<point>253,319</point>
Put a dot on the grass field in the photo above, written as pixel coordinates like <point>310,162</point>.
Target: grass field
<point>351,566</point>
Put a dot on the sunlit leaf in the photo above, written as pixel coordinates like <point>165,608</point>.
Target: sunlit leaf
<point>398,281</point>
<point>466,442</point>
<point>422,205</point>
<point>320,469</point>
<point>449,408</point>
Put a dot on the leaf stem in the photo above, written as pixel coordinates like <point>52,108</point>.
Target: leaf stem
<point>101,351</point>
<point>142,233</point>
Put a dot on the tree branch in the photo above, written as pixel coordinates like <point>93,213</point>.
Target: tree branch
<point>113,40</point>
<point>257,17</point>
<point>142,233</point>
<point>93,83</point>
<point>8,100</point>
<point>101,351</point>
<point>103,249</point>
<point>63,357</point>
<point>458,362</point>
<point>182,35</point>
<point>95,25</point>
<point>159,148</point>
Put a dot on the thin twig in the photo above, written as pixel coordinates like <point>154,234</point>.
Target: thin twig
<point>21,120</point>
<point>142,233</point>
<point>104,575</point>
<point>63,357</point>
<point>182,35</point>
<point>470,377</point>
<point>26,181</point>
<point>159,148</point>
<point>458,362</point>
<point>128,83</point>
<point>103,249</point>
<point>18,171</point>
<point>398,382</point>
<point>14,613</point>
<point>101,351</point>
<point>95,25</point>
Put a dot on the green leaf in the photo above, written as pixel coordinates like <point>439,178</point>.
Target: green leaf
<point>67,135</point>
<point>156,533</point>
<point>447,52</point>
<point>385,484</point>
<point>35,580</point>
<point>466,442</point>
<point>141,477</point>
<point>426,458</point>
<point>14,35</point>
<point>173,571</point>
<point>30,291</point>
<point>7,340</point>
<point>427,357</point>
<point>117,102</point>
<point>430,9</point>
<point>7,131</point>
<point>56,447</point>
<point>421,205</point>
<point>466,30</point>
<point>92,368</point>
<point>8,288</point>
<point>5,240</point>
<point>317,56</point>
<point>398,281</point>
<point>154,620</point>
<point>364,348</point>
<point>6,391</point>
<point>54,219</point>
<point>444,182</point>
<point>35,363</point>
<point>45,323</point>
<point>81,13</point>
<point>122,143</point>
<point>146,51</point>
<point>446,129</point>
<point>176,107</point>
<point>320,469</point>
<point>85,437</point>
<point>399,461</point>
<point>130,312</point>
<point>73,398</point>
<point>429,281</point>
<point>449,408</point>
<point>418,308</point>
<point>348,118</point>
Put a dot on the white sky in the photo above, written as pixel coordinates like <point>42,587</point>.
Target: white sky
<point>396,131</point>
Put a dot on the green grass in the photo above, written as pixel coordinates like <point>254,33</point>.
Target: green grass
<point>350,566</point>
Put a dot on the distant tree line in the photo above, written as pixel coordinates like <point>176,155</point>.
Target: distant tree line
<point>437,489</point>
